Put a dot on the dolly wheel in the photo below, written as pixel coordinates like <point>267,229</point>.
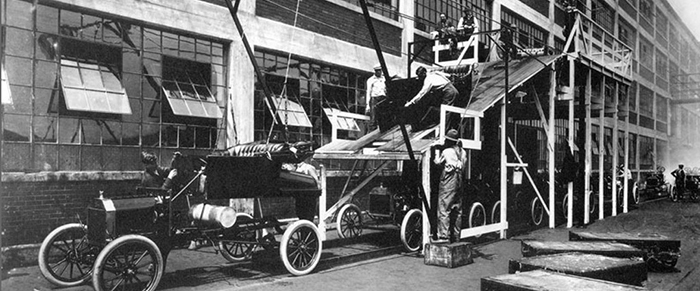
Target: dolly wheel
<point>412,230</point>
<point>65,258</point>
<point>349,221</point>
<point>130,262</point>
<point>300,248</point>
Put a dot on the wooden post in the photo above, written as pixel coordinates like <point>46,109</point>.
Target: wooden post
<point>570,138</point>
<point>550,140</point>
<point>587,149</point>
<point>615,149</point>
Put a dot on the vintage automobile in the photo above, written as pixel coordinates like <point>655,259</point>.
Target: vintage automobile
<point>126,239</point>
<point>655,185</point>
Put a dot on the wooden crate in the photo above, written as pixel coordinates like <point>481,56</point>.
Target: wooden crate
<point>539,280</point>
<point>632,271</point>
<point>605,248</point>
<point>448,255</point>
<point>662,252</point>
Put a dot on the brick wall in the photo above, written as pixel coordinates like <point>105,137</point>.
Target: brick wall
<point>335,21</point>
<point>33,209</point>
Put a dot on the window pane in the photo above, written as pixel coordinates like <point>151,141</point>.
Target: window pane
<point>92,133</point>
<point>69,131</point>
<point>130,134</point>
<point>21,99</point>
<point>16,157</point>
<point>76,99</point>
<point>196,108</point>
<point>98,101</point>
<point>19,71</point>
<point>92,78</point>
<point>69,158</point>
<point>46,19</point>
<point>16,127</point>
<point>151,135</point>
<point>22,43</point>
<point>45,129</point>
<point>18,14</point>
<point>70,75</point>
<point>45,157</point>
<point>46,74</point>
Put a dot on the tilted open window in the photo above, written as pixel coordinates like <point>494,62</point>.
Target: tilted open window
<point>186,87</point>
<point>92,87</point>
<point>291,113</point>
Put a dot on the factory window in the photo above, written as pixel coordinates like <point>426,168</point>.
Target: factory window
<point>310,88</point>
<point>387,8</point>
<point>89,94</point>
<point>527,35</point>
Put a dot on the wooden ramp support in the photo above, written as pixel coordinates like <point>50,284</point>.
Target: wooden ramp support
<point>661,251</point>
<point>604,248</point>
<point>632,271</point>
<point>545,280</point>
<point>448,255</point>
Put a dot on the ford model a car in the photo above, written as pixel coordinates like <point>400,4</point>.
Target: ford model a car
<point>126,241</point>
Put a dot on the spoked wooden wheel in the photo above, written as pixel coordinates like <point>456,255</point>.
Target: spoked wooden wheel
<point>242,242</point>
<point>300,248</point>
<point>412,230</point>
<point>65,258</point>
<point>349,221</point>
<point>536,211</point>
<point>496,212</point>
<point>131,262</point>
<point>635,194</point>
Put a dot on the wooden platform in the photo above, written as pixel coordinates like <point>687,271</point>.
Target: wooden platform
<point>632,271</point>
<point>545,280</point>
<point>605,248</point>
<point>661,251</point>
<point>448,255</point>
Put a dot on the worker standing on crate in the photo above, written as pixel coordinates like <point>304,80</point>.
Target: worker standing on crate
<point>453,158</point>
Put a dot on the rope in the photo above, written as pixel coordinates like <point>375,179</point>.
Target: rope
<point>283,94</point>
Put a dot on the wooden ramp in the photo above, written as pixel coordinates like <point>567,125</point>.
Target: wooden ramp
<point>605,248</point>
<point>632,271</point>
<point>539,280</point>
<point>661,251</point>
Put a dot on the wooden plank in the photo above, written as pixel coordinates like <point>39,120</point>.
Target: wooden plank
<point>632,271</point>
<point>640,240</point>
<point>605,248</point>
<point>662,252</point>
<point>539,280</point>
<point>448,255</point>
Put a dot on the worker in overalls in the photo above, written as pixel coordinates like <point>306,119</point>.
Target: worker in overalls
<point>453,159</point>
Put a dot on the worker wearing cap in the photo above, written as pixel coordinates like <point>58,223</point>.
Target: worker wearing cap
<point>376,92</point>
<point>453,160</point>
<point>679,174</point>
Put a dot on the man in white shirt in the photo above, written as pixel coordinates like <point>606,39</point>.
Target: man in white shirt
<point>438,85</point>
<point>376,92</point>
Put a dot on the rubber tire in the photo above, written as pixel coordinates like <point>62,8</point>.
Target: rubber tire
<point>112,247</point>
<point>496,209</point>
<point>47,246</point>
<point>536,211</point>
<point>635,194</point>
<point>236,252</point>
<point>295,241</point>
<point>412,226</point>
<point>349,215</point>
<point>565,206</point>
